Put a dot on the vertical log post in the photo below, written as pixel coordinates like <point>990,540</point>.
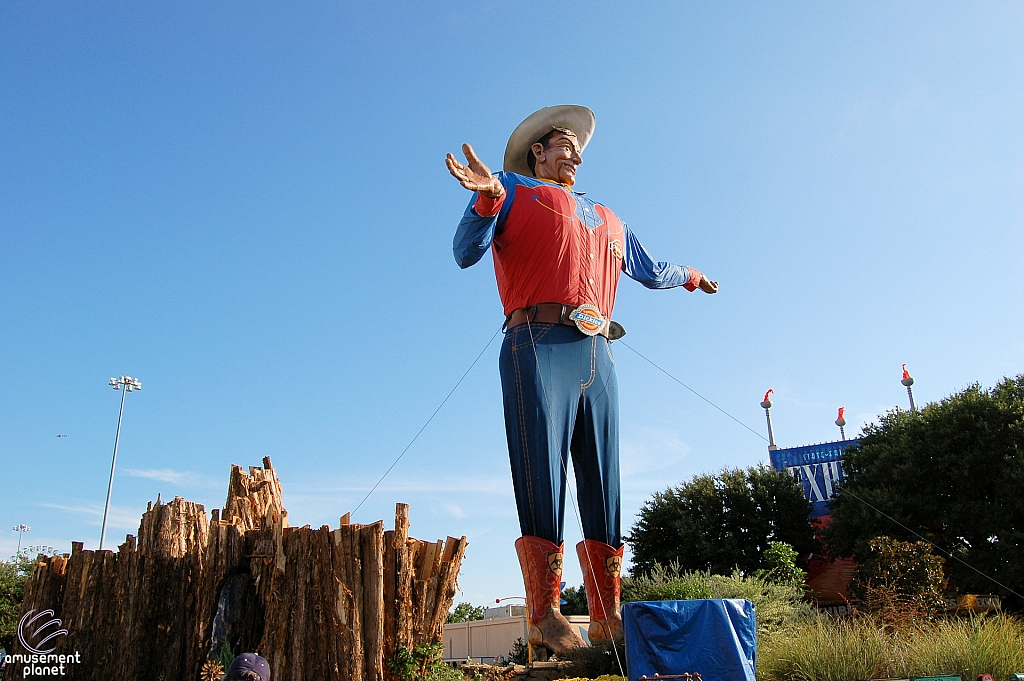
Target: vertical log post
<point>372,544</point>
<point>403,578</point>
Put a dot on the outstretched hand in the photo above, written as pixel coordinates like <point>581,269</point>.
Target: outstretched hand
<point>474,176</point>
<point>708,286</point>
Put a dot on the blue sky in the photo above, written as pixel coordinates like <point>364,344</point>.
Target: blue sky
<point>245,205</point>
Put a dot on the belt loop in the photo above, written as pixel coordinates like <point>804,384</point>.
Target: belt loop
<point>561,315</point>
<point>533,312</point>
<point>504,326</point>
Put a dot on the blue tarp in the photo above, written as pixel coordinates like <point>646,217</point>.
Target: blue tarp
<point>717,638</point>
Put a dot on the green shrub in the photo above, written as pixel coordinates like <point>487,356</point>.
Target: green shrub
<point>780,559</point>
<point>777,605</point>
<point>423,663</point>
<point>899,582</point>
<point>596,660</point>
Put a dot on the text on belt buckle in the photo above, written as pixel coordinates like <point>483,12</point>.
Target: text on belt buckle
<point>588,319</point>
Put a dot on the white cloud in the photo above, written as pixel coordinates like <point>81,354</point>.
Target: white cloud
<point>420,484</point>
<point>656,449</point>
<point>182,478</point>
<point>118,517</point>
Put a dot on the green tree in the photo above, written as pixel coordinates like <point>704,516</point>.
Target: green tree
<point>575,598</point>
<point>720,523</point>
<point>951,472</point>
<point>465,612</point>
<point>13,575</point>
<point>520,653</point>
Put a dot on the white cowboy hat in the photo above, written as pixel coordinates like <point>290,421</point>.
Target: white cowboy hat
<point>579,119</point>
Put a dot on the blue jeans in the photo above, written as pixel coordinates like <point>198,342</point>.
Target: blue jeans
<point>569,406</point>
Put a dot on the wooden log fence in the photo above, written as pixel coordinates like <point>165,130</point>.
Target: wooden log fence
<point>318,604</point>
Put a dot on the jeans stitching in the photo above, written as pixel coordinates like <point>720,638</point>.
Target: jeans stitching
<point>593,363</point>
<point>524,450</point>
<point>533,339</point>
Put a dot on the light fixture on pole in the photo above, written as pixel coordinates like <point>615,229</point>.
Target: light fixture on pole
<point>125,384</point>
<point>21,529</point>
<point>908,381</point>
<point>841,422</point>
<point>767,405</point>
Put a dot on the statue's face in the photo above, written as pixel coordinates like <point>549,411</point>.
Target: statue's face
<point>559,161</point>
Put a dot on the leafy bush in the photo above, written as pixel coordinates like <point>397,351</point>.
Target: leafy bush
<point>777,605</point>
<point>423,663</point>
<point>863,648</point>
<point>899,582</point>
<point>465,612</point>
<point>487,673</point>
<point>596,660</point>
<point>780,559</point>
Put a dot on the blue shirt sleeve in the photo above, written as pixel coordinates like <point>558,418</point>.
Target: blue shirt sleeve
<point>476,232</point>
<point>638,264</point>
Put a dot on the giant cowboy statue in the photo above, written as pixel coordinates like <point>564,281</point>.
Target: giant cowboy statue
<point>557,259</point>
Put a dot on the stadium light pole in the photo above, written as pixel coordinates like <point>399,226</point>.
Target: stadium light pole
<point>841,422</point>
<point>21,529</point>
<point>125,384</point>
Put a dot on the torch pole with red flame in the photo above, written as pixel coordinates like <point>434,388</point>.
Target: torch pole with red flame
<point>767,405</point>
<point>908,381</point>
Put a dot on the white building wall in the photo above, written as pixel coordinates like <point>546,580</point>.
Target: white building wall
<point>489,640</point>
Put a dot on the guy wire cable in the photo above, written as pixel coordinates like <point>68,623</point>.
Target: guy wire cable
<point>694,391</point>
<point>845,490</point>
<point>566,472</point>
<point>420,431</point>
<point>572,497</point>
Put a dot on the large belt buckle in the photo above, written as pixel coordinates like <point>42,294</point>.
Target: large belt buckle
<point>588,319</point>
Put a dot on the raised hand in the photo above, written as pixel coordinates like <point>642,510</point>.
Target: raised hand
<point>474,176</point>
<point>708,286</point>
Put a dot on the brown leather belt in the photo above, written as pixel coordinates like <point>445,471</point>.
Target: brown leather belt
<point>555,313</point>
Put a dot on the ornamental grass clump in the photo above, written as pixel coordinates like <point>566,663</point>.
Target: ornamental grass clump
<point>862,648</point>
<point>968,647</point>
<point>777,604</point>
<point>825,650</point>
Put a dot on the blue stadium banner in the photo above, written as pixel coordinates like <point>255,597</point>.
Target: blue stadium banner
<point>818,468</point>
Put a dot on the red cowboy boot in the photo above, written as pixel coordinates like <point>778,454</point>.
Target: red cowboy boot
<point>541,562</point>
<point>601,566</point>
